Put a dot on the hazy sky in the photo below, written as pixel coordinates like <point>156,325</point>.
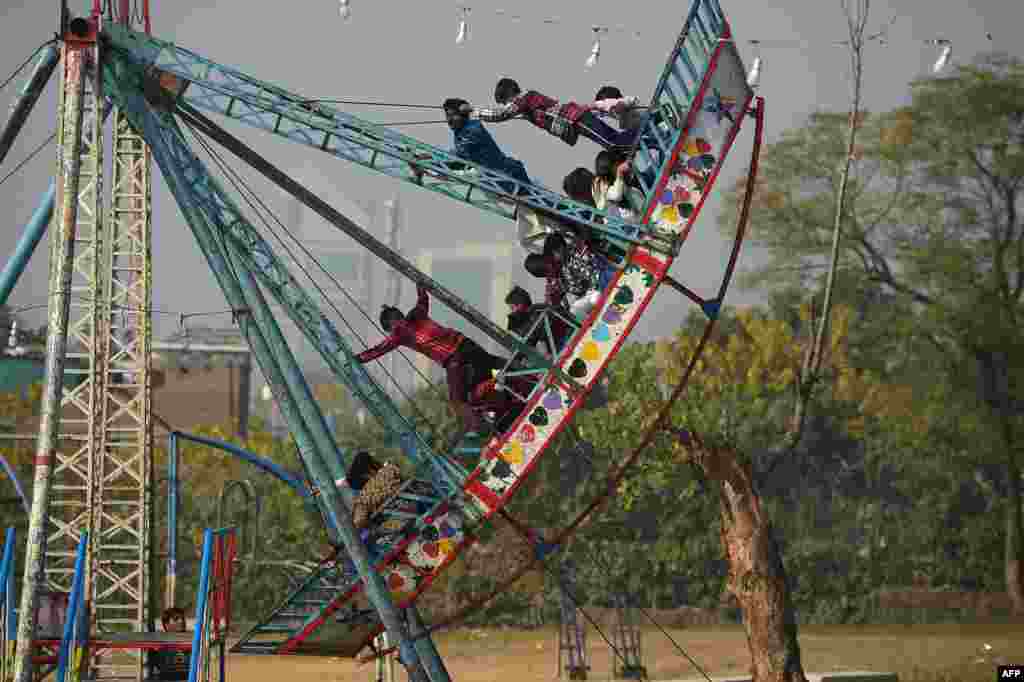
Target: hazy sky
<point>405,52</point>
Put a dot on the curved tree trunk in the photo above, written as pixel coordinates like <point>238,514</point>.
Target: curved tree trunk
<point>757,576</point>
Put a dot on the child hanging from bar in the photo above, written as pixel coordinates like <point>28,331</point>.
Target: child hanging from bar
<point>565,120</point>
<point>465,362</point>
<point>631,116</point>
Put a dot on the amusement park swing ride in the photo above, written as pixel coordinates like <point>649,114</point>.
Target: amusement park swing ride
<point>91,508</point>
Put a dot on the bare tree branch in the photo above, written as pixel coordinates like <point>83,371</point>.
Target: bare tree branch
<point>856,24</point>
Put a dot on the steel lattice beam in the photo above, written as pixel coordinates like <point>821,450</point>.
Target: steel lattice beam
<point>272,354</point>
<point>275,277</point>
<point>224,90</point>
<point>68,519</point>
<point>73,507</point>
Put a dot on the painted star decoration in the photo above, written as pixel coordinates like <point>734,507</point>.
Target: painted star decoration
<point>721,107</point>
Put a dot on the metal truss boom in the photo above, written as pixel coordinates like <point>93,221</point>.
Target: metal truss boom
<point>272,354</point>
<point>365,239</point>
<point>224,90</point>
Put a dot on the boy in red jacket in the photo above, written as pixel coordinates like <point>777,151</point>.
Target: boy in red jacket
<point>466,364</point>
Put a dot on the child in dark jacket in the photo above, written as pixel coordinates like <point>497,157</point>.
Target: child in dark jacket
<point>574,275</point>
<point>523,317</point>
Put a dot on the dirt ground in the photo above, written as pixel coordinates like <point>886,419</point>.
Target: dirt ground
<point>916,652</point>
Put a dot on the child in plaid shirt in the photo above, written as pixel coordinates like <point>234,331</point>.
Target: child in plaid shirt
<point>565,120</point>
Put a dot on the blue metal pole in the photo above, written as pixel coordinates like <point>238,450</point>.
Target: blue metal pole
<point>30,238</point>
<point>262,463</point>
<point>28,97</point>
<point>7,576</point>
<point>14,479</point>
<point>376,589</point>
<point>36,227</point>
<point>172,519</point>
<point>7,566</point>
<point>26,246</point>
<point>182,172</point>
<point>71,619</point>
<point>201,597</point>
<point>425,646</point>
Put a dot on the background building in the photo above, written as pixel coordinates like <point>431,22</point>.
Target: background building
<point>203,377</point>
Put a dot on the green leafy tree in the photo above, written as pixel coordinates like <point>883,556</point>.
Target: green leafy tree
<point>933,222</point>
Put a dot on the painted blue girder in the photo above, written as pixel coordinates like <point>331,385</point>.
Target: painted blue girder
<point>264,464</point>
<point>206,196</point>
<point>317,597</point>
<point>224,90</point>
<point>678,86</point>
<point>313,594</point>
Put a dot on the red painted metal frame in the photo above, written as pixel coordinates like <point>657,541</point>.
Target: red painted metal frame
<point>225,549</point>
<point>661,422</point>
<point>730,268</point>
<point>659,271</point>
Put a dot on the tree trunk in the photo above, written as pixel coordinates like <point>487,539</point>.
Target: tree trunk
<point>1014,577</point>
<point>995,391</point>
<point>757,576</point>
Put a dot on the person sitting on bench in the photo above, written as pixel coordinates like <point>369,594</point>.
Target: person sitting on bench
<point>170,665</point>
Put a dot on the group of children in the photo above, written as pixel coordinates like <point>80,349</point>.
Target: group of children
<point>571,261</point>
<point>575,272</point>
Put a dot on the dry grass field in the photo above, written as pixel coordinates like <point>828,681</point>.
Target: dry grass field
<point>918,653</point>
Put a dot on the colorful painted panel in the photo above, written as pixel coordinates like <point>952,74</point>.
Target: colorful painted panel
<point>684,74</point>
<point>424,552</point>
<point>714,122</point>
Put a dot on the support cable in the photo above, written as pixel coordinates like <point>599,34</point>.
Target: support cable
<point>408,123</point>
<point>228,171</point>
<point>154,311</point>
<point>603,565</point>
<point>318,264</point>
<point>29,60</point>
<point>371,104</point>
<point>28,158</point>
<point>242,188</point>
<point>506,339</point>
